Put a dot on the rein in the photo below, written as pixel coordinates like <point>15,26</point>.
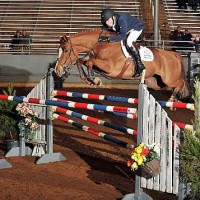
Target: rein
<point>71,51</point>
<point>88,52</point>
<point>92,49</point>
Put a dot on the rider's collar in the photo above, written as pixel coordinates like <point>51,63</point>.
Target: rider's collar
<point>114,23</point>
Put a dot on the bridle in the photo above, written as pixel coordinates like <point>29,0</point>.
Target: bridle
<point>72,52</point>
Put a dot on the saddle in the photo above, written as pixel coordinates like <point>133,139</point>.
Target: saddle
<point>145,53</point>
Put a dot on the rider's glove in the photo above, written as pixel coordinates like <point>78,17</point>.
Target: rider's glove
<point>103,38</point>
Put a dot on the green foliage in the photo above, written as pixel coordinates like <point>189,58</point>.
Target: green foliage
<point>196,98</point>
<point>8,114</point>
<point>52,65</point>
<point>190,150</point>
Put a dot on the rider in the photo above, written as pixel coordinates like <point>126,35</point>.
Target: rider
<point>127,27</point>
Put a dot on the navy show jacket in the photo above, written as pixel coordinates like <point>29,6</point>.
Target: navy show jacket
<point>123,24</point>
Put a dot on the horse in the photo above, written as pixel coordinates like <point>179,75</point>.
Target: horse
<point>108,60</point>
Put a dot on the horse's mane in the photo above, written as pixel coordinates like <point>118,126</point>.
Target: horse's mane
<point>64,38</point>
<point>95,31</point>
<point>83,32</point>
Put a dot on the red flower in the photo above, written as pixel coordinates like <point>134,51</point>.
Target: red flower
<point>145,151</point>
<point>129,163</point>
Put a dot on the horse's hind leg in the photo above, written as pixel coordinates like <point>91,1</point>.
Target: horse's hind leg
<point>181,90</point>
<point>151,82</point>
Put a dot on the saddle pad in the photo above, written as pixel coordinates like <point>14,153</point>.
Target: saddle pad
<point>145,53</point>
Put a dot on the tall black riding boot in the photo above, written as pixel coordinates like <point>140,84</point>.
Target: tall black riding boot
<point>139,67</point>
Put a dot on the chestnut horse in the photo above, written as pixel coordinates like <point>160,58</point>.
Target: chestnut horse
<point>108,59</point>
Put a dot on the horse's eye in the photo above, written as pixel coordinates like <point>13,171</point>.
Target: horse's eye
<point>65,50</point>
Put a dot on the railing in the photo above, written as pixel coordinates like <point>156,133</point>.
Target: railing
<point>171,45</point>
<point>44,46</point>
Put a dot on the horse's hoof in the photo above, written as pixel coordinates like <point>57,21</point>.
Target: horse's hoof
<point>172,99</point>
<point>97,81</point>
<point>89,82</point>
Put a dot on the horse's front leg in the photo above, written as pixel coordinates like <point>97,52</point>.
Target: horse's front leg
<point>91,76</point>
<point>79,64</point>
<point>87,77</point>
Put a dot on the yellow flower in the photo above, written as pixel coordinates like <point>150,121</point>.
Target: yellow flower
<point>136,159</point>
<point>140,161</point>
<point>139,150</point>
<point>134,156</point>
<point>144,158</point>
<point>134,166</point>
<point>142,144</point>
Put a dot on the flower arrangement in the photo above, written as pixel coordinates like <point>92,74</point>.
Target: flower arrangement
<point>29,121</point>
<point>142,156</point>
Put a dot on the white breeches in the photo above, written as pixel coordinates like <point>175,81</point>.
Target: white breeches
<point>132,37</point>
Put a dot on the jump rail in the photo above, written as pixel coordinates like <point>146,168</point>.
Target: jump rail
<point>95,120</point>
<point>119,99</point>
<point>126,100</point>
<point>131,116</point>
<point>94,132</point>
<point>69,104</point>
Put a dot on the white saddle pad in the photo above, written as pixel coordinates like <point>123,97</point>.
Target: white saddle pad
<point>145,53</point>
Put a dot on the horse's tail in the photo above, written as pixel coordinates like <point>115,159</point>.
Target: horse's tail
<point>185,89</point>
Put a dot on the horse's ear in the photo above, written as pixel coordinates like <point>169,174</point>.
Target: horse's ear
<point>65,38</point>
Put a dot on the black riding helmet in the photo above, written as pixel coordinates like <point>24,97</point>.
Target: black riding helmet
<point>106,14</point>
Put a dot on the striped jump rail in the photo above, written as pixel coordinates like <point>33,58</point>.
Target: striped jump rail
<point>119,114</point>
<point>94,120</point>
<point>176,105</point>
<point>134,116</point>
<point>94,96</point>
<point>69,104</point>
<point>119,99</point>
<point>94,132</point>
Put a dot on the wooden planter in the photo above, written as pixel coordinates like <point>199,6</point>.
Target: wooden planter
<point>10,143</point>
<point>150,170</point>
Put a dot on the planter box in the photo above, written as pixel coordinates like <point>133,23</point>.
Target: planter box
<point>10,143</point>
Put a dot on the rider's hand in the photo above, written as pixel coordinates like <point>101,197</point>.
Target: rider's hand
<point>103,38</point>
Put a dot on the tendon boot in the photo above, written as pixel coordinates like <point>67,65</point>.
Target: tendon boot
<point>139,67</point>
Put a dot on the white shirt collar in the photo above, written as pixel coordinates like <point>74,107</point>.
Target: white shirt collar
<point>114,22</point>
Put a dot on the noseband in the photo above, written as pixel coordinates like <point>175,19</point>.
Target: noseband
<point>71,52</point>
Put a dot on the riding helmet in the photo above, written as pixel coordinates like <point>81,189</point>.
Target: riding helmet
<point>106,14</point>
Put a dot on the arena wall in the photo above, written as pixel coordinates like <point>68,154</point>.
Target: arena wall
<point>31,68</point>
